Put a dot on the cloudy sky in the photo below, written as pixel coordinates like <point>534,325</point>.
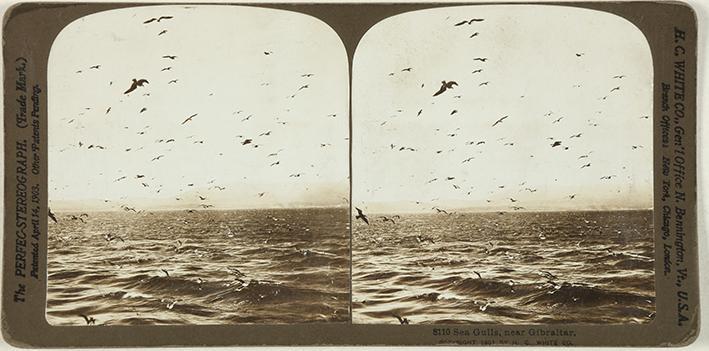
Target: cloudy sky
<point>275,77</point>
<point>577,78</point>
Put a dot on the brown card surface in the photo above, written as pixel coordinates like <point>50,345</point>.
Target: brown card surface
<point>348,174</point>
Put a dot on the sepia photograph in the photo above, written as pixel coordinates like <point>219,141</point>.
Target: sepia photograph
<point>502,168</point>
<point>198,169</point>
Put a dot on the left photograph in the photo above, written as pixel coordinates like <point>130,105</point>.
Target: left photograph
<point>198,169</point>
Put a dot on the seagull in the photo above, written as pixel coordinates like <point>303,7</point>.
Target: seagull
<point>481,59</point>
<point>556,143</point>
<point>136,83</point>
<point>95,67</point>
<point>51,215</point>
<point>163,32</point>
<point>499,121</point>
<point>576,135</point>
<point>474,34</point>
<point>586,165</point>
<point>469,21</point>
<point>440,210</point>
<point>89,320</point>
<point>402,320</point>
<point>361,216</point>
<point>143,109</point>
<point>158,19</point>
<point>171,57</point>
<point>579,54</point>
<point>608,177</point>
<point>445,86</point>
<point>619,77</point>
<point>166,273</point>
<point>188,119</point>
<point>477,71</point>
<point>478,274</point>
<point>614,89</point>
<point>387,219</point>
<point>157,157</point>
<point>247,141</point>
<point>172,81</point>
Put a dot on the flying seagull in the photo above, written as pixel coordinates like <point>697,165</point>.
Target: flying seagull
<point>89,320</point>
<point>445,86</point>
<point>51,215</point>
<point>361,216</point>
<point>402,320</point>
<point>136,83</point>
<point>158,19</point>
<point>171,57</point>
<point>499,121</point>
<point>471,21</point>
<point>188,119</point>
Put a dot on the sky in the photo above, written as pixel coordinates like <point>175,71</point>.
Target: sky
<point>560,74</point>
<point>275,77</point>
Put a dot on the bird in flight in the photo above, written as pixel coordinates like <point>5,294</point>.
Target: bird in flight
<point>440,210</point>
<point>188,119</point>
<point>556,143</point>
<point>135,84</point>
<point>171,57</point>
<point>162,32</point>
<point>499,121</point>
<point>158,19</point>
<point>470,21</point>
<point>95,67</point>
<point>157,158</point>
<point>481,59</point>
<point>172,81</point>
<point>474,35</point>
<point>619,77</point>
<point>89,320</point>
<point>576,135</point>
<point>445,86</point>
<point>586,165</point>
<point>361,216</point>
<point>614,89</point>
<point>51,215</point>
<point>402,320</point>
<point>477,71</point>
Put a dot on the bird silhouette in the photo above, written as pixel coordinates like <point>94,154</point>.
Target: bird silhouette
<point>402,320</point>
<point>188,119</point>
<point>157,19</point>
<point>135,84</point>
<point>171,57</point>
<point>51,215</point>
<point>499,121</point>
<point>445,86</point>
<point>361,216</point>
<point>481,59</point>
<point>89,320</point>
<point>470,21</point>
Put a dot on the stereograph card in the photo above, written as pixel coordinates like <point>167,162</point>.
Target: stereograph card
<point>350,174</point>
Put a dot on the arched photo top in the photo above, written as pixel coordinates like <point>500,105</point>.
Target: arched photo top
<point>496,95</point>
<point>126,79</point>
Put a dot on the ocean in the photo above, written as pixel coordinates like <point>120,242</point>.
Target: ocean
<point>200,267</point>
<point>508,268</point>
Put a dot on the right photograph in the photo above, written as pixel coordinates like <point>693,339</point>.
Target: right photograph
<point>502,168</point>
